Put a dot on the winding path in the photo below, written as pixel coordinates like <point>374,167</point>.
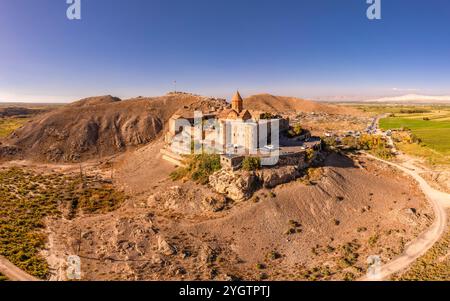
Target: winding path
<point>12,272</point>
<point>439,201</point>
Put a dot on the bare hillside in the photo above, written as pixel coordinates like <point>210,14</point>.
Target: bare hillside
<point>100,126</point>
<point>282,104</point>
<point>172,230</point>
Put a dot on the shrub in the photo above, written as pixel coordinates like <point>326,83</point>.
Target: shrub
<point>274,255</point>
<point>269,116</point>
<point>21,236</point>
<point>295,131</point>
<point>373,240</point>
<point>328,143</point>
<point>361,229</point>
<point>3,278</point>
<point>251,163</point>
<point>349,255</point>
<point>198,169</point>
<point>260,266</point>
<point>348,276</point>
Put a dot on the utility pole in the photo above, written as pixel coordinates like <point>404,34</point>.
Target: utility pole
<point>175,85</point>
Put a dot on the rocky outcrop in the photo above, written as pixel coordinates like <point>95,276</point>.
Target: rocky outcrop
<point>214,204</point>
<point>442,179</point>
<point>271,178</point>
<point>240,186</point>
<point>9,151</point>
<point>187,201</point>
<point>236,186</point>
<point>165,248</point>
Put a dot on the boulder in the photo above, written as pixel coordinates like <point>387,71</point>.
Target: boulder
<point>214,204</point>
<point>236,186</point>
<point>276,176</point>
<point>165,248</point>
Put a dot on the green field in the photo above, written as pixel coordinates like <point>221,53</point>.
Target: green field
<point>418,110</point>
<point>429,123</point>
<point>434,134</point>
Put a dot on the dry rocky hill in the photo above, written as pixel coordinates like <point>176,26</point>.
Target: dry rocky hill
<point>100,126</point>
<point>184,231</point>
<point>278,104</point>
<point>104,126</point>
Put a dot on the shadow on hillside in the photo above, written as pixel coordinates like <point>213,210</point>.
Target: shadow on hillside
<point>335,159</point>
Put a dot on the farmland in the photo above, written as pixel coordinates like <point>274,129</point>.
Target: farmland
<point>433,133</point>
<point>430,124</point>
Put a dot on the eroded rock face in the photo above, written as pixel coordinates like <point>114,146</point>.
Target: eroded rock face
<point>443,179</point>
<point>8,150</point>
<point>214,204</point>
<point>188,201</point>
<point>165,248</point>
<point>240,186</point>
<point>236,186</point>
<point>277,176</point>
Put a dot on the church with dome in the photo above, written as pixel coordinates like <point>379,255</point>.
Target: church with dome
<point>233,130</point>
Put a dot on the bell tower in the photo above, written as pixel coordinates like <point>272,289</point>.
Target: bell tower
<point>237,103</point>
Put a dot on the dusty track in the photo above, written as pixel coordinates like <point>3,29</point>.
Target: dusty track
<point>13,273</point>
<point>440,202</point>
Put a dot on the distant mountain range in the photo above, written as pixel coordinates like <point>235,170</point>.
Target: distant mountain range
<point>413,99</point>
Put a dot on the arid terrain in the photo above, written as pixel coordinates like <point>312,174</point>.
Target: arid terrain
<point>98,127</point>
<point>322,226</point>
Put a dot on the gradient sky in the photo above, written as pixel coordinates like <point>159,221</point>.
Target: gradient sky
<point>305,48</point>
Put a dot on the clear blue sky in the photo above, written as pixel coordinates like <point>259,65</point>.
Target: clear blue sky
<point>306,48</point>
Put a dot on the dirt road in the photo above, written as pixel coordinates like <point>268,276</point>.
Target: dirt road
<point>439,201</point>
<point>12,272</point>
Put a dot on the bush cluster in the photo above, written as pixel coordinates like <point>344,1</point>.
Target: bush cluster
<point>251,163</point>
<point>198,168</point>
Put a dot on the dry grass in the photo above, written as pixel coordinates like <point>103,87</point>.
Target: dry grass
<point>3,277</point>
<point>9,125</point>
<point>433,266</point>
<point>27,198</point>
